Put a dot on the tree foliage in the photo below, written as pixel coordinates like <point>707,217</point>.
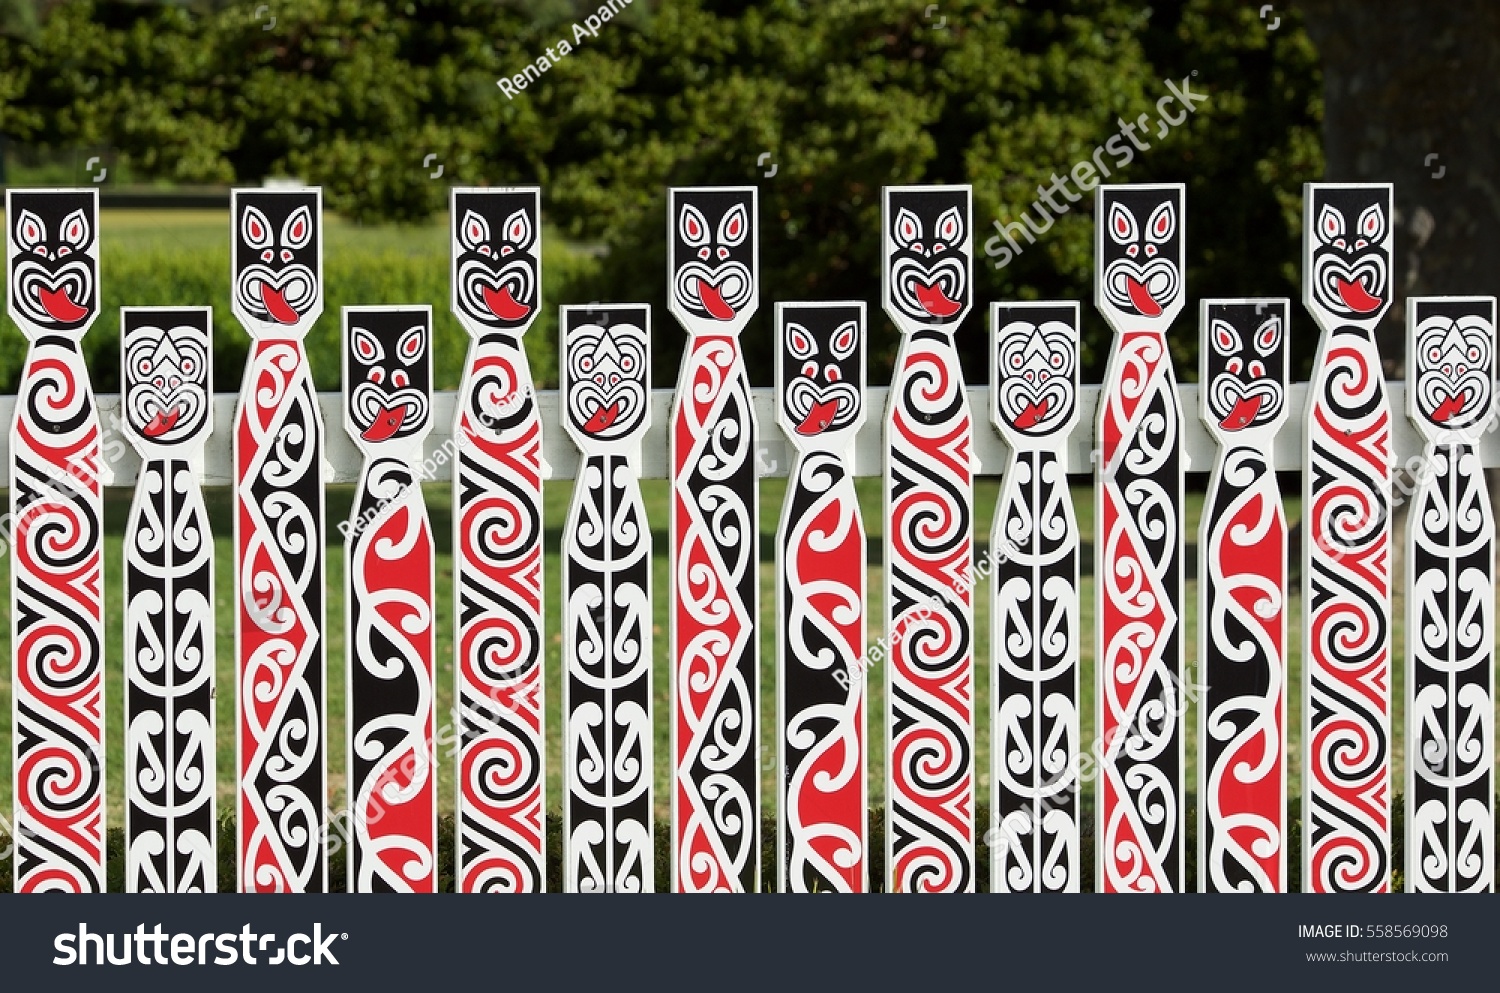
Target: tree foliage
<point>843,96</point>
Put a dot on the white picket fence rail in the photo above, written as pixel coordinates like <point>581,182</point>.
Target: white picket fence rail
<point>122,463</point>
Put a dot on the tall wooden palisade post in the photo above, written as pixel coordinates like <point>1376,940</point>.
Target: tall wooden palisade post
<point>171,840</point>
<point>1138,287</point>
<point>1034,602</point>
<point>608,824</point>
<point>1242,602</point>
<point>497,546</point>
<point>57,555</point>
<point>281,652</point>
<point>713,289</point>
<point>1450,599</point>
<point>927,289</point>
<point>820,602</point>
<point>1346,545</point>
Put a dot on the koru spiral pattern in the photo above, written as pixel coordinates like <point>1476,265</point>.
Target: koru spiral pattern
<point>281,653</point>
<point>1346,567</point>
<point>1450,600</point>
<point>56,507</point>
<point>170,836</point>
<point>1242,602</point>
<point>715,657</point>
<point>388,601</point>
<point>821,602</point>
<point>497,545</point>
<point>1034,602</point>
<point>929,546</point>
<point>607,642</point>
<point>1138,493</point>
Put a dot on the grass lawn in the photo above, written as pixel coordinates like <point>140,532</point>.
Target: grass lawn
<point>557,496</point>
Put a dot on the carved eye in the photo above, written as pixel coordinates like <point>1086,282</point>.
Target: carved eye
<point>1330,225</point>
<point>518,229</point>
<point>367,347</point>
<point>733,227</point>
<point>950,226</point>
<point>907,230</point>
<point>411,344</point>
<point>255,229</point>
<point>800,342</point>
<point>1122,224</point>
<point>1162,224</point>
<point>691,226</point>
<point>1371,223</point>
<point>297,231</point>
<point>30,231</point>
<point>845,337</point>
<point>473,232</point>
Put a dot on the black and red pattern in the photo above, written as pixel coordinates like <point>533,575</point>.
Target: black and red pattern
<point>715,654</point>
<point>1242,826</point>
<point>1034,603</point>
<point>170,837</point>
<point>821,602</point>
<point>608,764</point>
<point>56,507</point>
<point>929,508</point>
<point>389,605</point>
<point>279,530</point>
<point>1138,494</point>
<point>1346,547</point>
<point>497,544</point>
<point>1450,600</point>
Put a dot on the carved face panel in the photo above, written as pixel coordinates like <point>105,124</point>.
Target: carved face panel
<point>496,253</point>
<point>1245,362</point>
<point>713,262</point>
<point>821,366</point>
<point>166,361</point>
<point>1453,351</point>
<point>53,253</point>
<point>1140,250</point>
<point>1349,245</point>
<point>278,257</point>
<point>388,371</point>
<point>928,255</point>
<point>605,373</point>
<point>1036,367</point>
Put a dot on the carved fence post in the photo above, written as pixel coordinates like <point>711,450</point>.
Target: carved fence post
<point>820,602</point>
<point>280,588</point>
<point>171,838</point>
<point>500,815</point>
<point>608,823</point>
<point>1034,602</point>
<point>1346,545</point>
<point>1242,601</point>
<point>1450,599</point>
<point>389,604</point>
<point>927,289</point>
<point>1138,540</point>
<point>713,289</point>
<point>57,549</point>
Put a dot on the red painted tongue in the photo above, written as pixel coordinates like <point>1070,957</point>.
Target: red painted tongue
<point>276,305</point>
<point>1448,409</point>
<point>935,301</point>
<point>162,423</point>
<point>819,417</point>
<point>504,305</point>
<point>1142,298</point>
<point>1243,413</point>
<point>386,423</point>
<point>713,301</point>
<point>61,307</point>
<point>1033,414</point>
<point>602,418</point>
<point>1355,296</point>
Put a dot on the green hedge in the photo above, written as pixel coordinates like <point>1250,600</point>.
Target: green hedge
<point>338,866</point>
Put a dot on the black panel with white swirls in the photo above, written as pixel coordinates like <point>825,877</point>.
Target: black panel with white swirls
<point>171,840</point>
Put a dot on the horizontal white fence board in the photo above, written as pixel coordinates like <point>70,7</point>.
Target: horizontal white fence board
<point>775,454</point>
